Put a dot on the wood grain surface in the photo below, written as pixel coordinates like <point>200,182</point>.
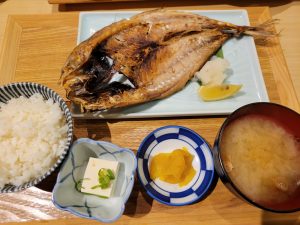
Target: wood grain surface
<point>286,11</point>
<point>85,1</point>
<point>36,47</point>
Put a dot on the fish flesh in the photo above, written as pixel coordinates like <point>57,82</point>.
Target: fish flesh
<point>158,51</point>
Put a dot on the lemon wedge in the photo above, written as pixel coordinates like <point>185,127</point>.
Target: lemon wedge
<point>218,92</point>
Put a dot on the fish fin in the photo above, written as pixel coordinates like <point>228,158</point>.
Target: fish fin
<point>262,31</point>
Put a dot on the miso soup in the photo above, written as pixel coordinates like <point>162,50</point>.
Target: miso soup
<point>262,159</point>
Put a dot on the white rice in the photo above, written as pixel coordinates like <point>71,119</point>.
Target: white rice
<point>33,133</point>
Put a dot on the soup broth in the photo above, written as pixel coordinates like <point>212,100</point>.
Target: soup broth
<point>263,160</point>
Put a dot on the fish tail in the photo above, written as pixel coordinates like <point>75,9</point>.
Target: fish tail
<point>262,31</point>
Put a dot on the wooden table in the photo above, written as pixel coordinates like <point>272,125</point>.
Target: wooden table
<point>21,60</point>
<point>286,11</point>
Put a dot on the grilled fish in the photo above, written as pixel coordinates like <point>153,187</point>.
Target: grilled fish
<point>159,51</point>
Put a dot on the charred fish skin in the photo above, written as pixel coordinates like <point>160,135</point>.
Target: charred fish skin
<point>158,51</point>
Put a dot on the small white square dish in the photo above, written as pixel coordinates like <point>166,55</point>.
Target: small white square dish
<point>240,52</point>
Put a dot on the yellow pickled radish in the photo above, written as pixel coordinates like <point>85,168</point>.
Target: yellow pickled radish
<point>174,167</point>
<point>218,92</point>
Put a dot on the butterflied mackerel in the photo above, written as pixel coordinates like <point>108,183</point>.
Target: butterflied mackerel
<point>159,51</point>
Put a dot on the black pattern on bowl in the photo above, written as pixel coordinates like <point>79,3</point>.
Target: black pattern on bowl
<point>27,89</point>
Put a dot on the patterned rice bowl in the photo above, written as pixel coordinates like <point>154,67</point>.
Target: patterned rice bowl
<point>165,140</point>
<point>27,89</point>
<point>65,195</point>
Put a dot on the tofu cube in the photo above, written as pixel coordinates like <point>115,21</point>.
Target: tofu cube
<point>91,177</point>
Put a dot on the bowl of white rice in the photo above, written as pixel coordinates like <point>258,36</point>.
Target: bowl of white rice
<point>36,132</point>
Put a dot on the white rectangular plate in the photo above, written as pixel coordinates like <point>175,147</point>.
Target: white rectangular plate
<point>241,53</point>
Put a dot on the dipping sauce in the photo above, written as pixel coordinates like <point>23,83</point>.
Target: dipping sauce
<point>174,167</point>
<point>263,160</point>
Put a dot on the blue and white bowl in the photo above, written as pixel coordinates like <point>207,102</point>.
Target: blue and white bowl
<point>167,139</point>
<point>27,89</point>
<point>65,195</point>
